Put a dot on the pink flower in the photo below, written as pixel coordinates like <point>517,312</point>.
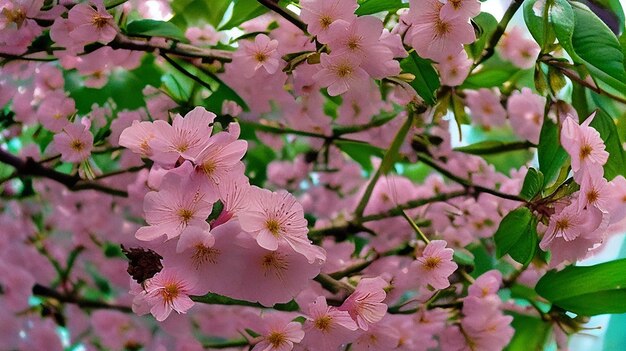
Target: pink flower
<point>484,325</point>
<point>92,24</point>
<point>365,304</point>
<point>180,203</point>
<point>137,138</point>
<point>594,191</point>
<point>585,147</point>
<point>219,158</point>
<point>571,233</point>
<point>526,112</point>
<point>360,41</point>
<point>435,264</point>
<point>169,291</point>
<point>518,49</point>
<point>207,35</point>
<point>279,334</point>
<point>487,284</point>
<point>485,107</point>
<point>320,14</point>
<point>74,142</point>
<point>186,137</point>
<point>433,36</point>
<point>340,73</point>
<point>326,327</point>
<point>252,56</point>
<point>460,8</point>
<point>454,69</point>
<point>55,110</point>
<point>274,218</point>
<point>277,276</point>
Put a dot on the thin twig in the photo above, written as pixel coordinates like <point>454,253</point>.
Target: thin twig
<point>286,14</point>
<point>43,291</point>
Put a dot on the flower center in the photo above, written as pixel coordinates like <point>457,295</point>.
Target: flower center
<point>325,21</point>
<point>432,263</point>
<point>77,145</point>
<point>276,339</point>
<point>99,21</point>
<point>562,224</point>
<point>170,292</point>
<point>441,27</point>
<point>275,263</point>
<point>344,70</point>
<point>185,215</point>
<point>260,57</point>
<point>353,43</point>
<point>203,255</point>
<point>585,151</point>
<point>323,323</point>
<point>592,196</point>
<point>273,226</point>
<point>16,16</point>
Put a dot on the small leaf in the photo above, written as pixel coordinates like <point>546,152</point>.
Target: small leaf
<point>426,80</point>
<point>587,291</point>
<point>550,152</point>
<point>369,7</point>
<point>243,10</point>
<point>489,147</point>
<point>533,184</point>
<point>152,28</point>
<point>487,24</point>
<point>463,257</point>
<point>361,152</point>
<point>517,235</point>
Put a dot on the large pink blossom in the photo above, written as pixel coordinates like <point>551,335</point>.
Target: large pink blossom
<point>74,142</point>
<point>365,305</point>
<point>320,14</point>
<point>327,327</point>
<point>435,265</point>
<point>526,112</point>
<point>274,218</point>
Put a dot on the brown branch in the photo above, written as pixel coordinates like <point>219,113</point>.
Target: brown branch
<point>490,48</point>
<point>286,14</point>
<point>123,42</point>
<point>30,167</point>
<point>44,291</point>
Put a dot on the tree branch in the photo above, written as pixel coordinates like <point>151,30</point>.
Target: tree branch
<point>286,14</point>
<point>29,167</point>
<point>44,291</point>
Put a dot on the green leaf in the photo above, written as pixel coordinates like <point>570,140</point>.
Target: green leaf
<point>616,164</point>
<point>517,235</point>
<point>616,9</point>
<point>426,81</point>
<point>463,257</point>
<point>531,333</point>
<point>587,291</point>
<point>533,184</point>
<point>198,12</point>
<point>550,152</point>
<point>561,16</point>
<point>151,28</point>
<point>487,25</point>
<point>216,99</point>
<point>369,7</point>
<point>495,72</point>
<point>489,147</point>
<point>592,44</point>
<point>244,10</point>
<point>361,152</point>
<point>533,16</point>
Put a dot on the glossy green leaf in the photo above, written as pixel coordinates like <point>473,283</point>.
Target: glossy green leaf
<point>198,12</point>
<point>489,147</point>
<point>593,45</point>
<point>244,10</point>
<point>369,7</point>
<point>533,17</point>
<point>426,79</point>
<point>550,152</point>
<point>517,235</point>
<point>494,72</point>
<point>533,184</point>
<point>487,24</point>
<point>151,28</point>
<point>361,152</point>
<point>588,291</point>
<point>531,333</point>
